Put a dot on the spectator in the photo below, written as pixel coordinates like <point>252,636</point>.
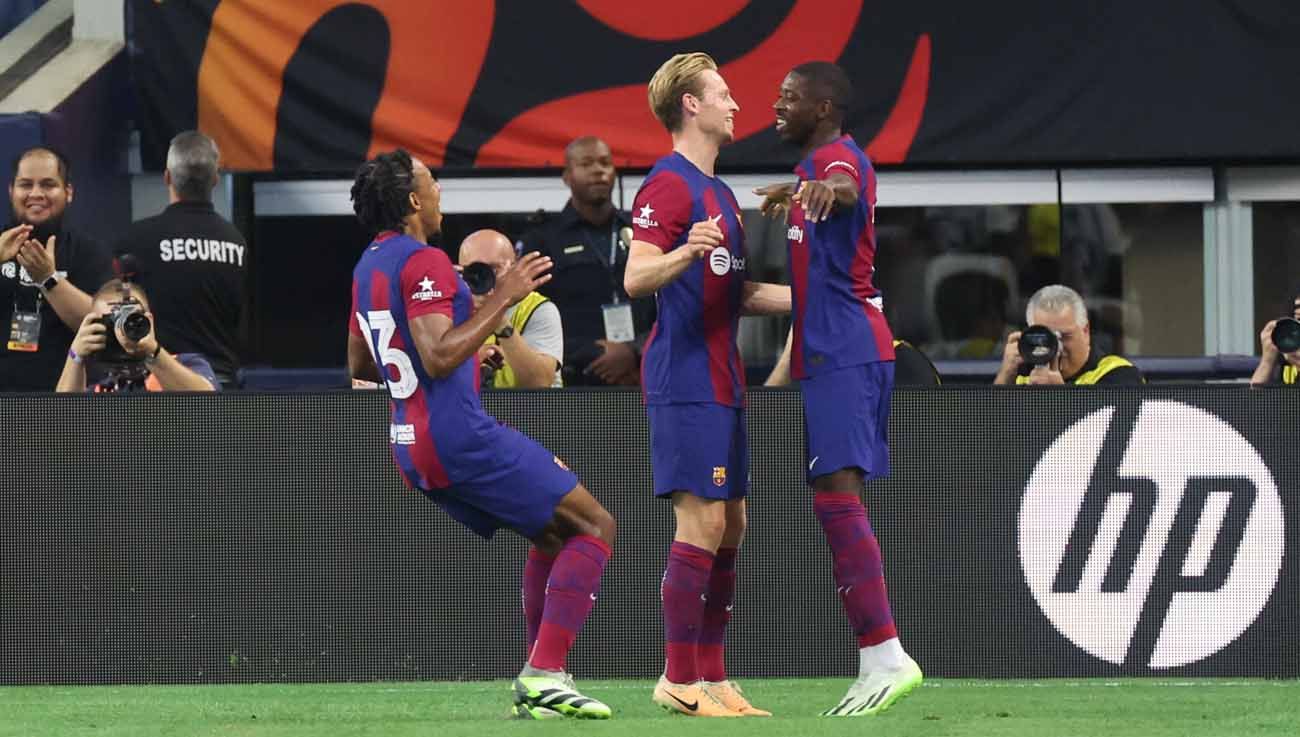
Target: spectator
<point>1061,309</point>
<point>525,352</point>
<point>126,364</point>
<point>192,260</point>
<point>44,268</point>
<point>911,366</point>
<point>588,241</point>
<point>1271,358</point>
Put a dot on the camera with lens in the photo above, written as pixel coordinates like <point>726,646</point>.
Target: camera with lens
<point>480,278</point>
<point>1039,345</point>
<point>1286,334</point>
<point>128,315</point>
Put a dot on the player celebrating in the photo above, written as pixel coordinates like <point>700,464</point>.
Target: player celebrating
<point>689,248</point>
<point>843,357</point>
<point>411,315</point>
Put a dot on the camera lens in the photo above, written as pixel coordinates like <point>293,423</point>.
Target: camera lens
<point>135,326</point>
<point>1038,345</point>
<point>479,277</point>
<point>1286,335</point>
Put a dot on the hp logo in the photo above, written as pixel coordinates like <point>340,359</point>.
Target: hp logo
<point>1151,541</point>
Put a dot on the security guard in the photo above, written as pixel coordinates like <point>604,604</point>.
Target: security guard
<point>193,262</point>
<point>1061,309</point>
<point>588,242</point>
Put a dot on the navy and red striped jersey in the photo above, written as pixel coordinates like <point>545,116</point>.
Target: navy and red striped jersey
<point>838,312</point>
<point>691,354</point>
<point>435,422</point>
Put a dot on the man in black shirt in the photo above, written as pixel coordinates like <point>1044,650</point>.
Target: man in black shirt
<point>588,242</point>
<point>45,270</point>
<point>192,261</point>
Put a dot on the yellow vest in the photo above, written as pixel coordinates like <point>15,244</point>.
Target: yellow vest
<point>1288,374</point>
<point>1104,366</point>
<point>504,378</point>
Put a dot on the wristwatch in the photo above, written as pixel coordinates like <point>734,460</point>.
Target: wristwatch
<point>505,332</point>
<point>50,282</point>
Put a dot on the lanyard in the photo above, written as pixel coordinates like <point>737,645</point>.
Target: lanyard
<point>613,255</point>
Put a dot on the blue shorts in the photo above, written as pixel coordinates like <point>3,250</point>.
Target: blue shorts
<point>518,489</point>
<point>701,448</point>
<point>846,419</point>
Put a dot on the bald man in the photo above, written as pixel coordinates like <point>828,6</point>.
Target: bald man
<point>528,347</point>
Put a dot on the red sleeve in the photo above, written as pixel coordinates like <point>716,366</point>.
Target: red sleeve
<point>353,327</point>
<point>661,212</point>
<point>428,283</point>
<point>837,158</point>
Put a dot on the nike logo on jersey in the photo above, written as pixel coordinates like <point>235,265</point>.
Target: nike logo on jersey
<point>691,706</point>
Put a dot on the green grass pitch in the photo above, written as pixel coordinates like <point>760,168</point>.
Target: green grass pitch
<point>1047,708</point>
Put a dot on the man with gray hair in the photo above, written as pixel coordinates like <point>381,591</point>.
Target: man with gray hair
<point>1061,312</point>
<point>193,262</point>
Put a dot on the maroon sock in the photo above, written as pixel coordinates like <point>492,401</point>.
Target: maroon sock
<point>717,613</point>
<point>859,573</point>
<point>536,571</point>
<point>570,595</point>
<point>686,579</point>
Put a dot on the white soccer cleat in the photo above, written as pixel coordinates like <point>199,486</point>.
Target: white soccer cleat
<point>874,693</point>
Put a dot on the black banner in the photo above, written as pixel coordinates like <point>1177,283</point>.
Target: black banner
<point>1026,533</point>
<point>322,84</point>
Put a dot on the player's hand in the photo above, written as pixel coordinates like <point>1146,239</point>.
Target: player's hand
<point>13,239</point>
<point>37,259</point>
<point>91,337</point>
<point>1269,351</point>
<point>617,361</point>
<point>704,236</point>
<point>817,199</point>
<point>525,275</point>
<point>776,199</point>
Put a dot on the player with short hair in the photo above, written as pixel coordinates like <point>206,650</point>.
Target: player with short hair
<point>843,357</point>
<point>413,316</point>
<point>688,249</point>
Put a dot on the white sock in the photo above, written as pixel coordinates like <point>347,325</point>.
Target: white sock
<point>888,655</point>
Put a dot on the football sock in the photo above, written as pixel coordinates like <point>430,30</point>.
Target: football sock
<point>859,573</point>
<point>536,571</point>
<point>717,613</point>
<point>686,579</point>
<point>570,595</point>
<point>888,655</point>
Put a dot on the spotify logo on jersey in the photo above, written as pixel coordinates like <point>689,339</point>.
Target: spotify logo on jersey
<point>1151,539</point>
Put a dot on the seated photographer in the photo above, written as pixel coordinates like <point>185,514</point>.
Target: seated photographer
<point>1279,344</point>
<point>1056,348</point>
<point>527,349</point>
<point>117,339</point>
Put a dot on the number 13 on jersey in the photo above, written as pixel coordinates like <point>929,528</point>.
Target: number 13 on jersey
<point>381,322</point>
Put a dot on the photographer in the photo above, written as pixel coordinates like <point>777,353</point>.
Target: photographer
<point>1279,347</point>
<point>1057,347</point>
<point>130,356</point>
<point>526,350</point>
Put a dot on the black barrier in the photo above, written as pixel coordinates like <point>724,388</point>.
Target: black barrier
<point>1026,533</point>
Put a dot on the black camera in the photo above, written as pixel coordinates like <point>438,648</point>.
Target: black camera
<point>1286,334</point>
<point>129,315</point>
<point>1039,345</point>
<point>480,277</point>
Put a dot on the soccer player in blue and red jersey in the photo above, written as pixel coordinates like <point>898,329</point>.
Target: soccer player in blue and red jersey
<point>413,328</point>
<point>688,248</point>
<point>843,357</point>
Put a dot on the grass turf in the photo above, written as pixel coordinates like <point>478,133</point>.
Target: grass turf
<point>1145,707</point>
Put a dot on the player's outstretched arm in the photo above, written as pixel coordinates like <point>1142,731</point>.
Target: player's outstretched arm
<point>649,268</point>
<point>443,348</point>
<point>761,298</point>
<point>819,197</point>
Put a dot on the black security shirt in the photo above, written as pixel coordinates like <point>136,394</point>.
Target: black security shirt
<point>83,262</point>
<point>193,265</point>
<point>583,278</point>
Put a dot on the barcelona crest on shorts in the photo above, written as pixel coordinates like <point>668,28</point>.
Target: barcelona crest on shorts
<point>719,475</point>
